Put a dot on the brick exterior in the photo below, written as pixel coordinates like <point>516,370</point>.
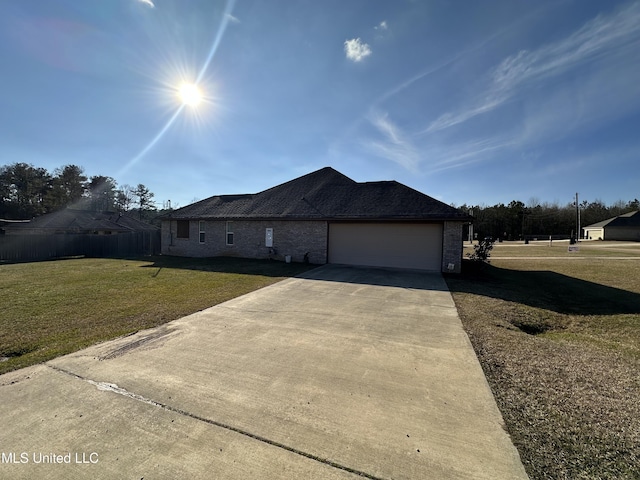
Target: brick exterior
<point>452,247</point>
<point>293,238</point>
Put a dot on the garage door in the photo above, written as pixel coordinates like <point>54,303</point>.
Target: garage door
<point>386,245</point>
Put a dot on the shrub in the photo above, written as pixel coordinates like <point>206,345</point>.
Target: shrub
<point>481,250</point>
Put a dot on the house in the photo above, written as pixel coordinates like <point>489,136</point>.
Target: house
<point>622,227</point>
<point>322,217</point>
<point>76,221</point>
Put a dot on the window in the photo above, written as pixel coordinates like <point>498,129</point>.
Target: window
<point>201,229</point>
<point>229,233</point>
<point>183,228</point>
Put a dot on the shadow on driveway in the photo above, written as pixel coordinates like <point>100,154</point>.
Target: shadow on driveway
<point>384,277</point>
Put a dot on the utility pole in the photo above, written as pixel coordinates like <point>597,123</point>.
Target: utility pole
<point>577,218</point>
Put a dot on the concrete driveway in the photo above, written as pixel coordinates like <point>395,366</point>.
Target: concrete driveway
<point>342,374</point>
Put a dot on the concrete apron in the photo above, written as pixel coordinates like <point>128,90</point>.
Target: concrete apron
<point>344,373</point>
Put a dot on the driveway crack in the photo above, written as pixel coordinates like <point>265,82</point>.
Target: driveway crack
<point>113,388</point>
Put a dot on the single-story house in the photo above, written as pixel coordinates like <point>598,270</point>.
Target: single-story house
<point>622,227</point>
<point>323,217</point>
<point>76,221</point>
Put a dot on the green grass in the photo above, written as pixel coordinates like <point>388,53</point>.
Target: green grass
<point>54,308</point>
<point>559,342</point>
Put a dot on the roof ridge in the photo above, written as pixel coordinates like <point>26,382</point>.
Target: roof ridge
<point>301,179</point>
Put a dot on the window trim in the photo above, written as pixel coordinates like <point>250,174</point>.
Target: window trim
<point>229,233</point>
<point>201,231</point>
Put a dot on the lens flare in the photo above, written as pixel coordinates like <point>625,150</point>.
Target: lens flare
<point>190,94</point>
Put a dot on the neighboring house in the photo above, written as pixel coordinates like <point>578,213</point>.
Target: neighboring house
<point>70,220</point>
<point>323,217</point>
<point>622,227</point>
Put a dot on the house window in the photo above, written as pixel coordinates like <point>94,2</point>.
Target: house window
<point>229,233</point>
<point>183,228</point>
<point>201,229</point>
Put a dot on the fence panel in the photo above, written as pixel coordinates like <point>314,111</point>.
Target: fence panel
<point>30,248</point>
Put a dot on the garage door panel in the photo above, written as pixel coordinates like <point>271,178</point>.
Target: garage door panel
<point>386,245</point>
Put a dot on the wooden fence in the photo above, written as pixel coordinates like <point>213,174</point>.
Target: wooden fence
<point>29,248</point>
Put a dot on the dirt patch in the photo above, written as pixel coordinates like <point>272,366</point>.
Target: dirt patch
<point>151,340</point>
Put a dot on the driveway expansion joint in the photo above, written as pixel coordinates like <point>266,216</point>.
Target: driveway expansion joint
<point>113,388</point>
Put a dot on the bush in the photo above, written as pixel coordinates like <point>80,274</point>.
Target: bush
<point>481,250</point>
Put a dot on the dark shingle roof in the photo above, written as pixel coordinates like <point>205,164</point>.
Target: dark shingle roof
<point>324,194</point>
<point>629,219</point>
<point>70,219</point>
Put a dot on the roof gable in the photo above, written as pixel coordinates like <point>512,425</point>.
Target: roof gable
<point>629,219</point>
<point>324,194</point>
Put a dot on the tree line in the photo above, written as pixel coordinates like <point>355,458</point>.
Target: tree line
<point>517,221</point>
<point>27,191</point>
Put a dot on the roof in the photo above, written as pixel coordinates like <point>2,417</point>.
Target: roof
<point>72,220</point>
<point>629,219</point>
<point>324,195</point>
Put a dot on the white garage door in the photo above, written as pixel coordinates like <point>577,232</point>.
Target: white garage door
<point>386,245</point>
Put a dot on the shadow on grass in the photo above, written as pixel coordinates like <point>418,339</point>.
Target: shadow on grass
<point>546,290</point>
<point>245,266</point>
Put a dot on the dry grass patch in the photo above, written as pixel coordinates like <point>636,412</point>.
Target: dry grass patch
<point>559,249</point>
<point>53,308</point>
<point>560,345</point>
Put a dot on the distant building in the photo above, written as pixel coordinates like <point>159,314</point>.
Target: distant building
<point>72,221</point>
<point>622,227</point>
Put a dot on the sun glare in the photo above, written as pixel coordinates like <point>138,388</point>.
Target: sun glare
<point>190,94</point>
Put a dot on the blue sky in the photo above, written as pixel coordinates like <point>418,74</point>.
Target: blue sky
<point>469,102</point>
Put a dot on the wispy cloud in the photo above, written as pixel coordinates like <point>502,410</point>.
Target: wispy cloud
<point>460,154</point>
<point>381,26</point>
<point>147,2</point>
<point>356,50</point>
<point>394,144</point>
<point>605,35</point>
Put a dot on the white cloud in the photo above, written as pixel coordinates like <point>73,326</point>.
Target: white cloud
<point>602,41</point>
<point>381,26</point>
<point>356,50</point>
<point>232,19</point>
<point>147,2</point>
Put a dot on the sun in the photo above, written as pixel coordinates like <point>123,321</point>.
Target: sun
<point>190,94</point>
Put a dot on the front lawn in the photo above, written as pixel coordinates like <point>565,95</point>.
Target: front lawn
<point>57,307</point>
<point>559,342</point>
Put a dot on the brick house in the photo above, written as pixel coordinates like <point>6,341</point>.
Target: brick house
<point>322,217</point>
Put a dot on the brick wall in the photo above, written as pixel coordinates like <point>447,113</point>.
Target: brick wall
<point>452,246</point>
<point>293,238</point>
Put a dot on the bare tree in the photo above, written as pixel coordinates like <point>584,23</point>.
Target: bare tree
<point>124,198</point>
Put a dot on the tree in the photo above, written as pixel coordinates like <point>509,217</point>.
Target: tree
<point>69,186</point>
<point>124,198</point>
<point>144,199</point>
<point>102,193</point>
<point>23,190</point>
